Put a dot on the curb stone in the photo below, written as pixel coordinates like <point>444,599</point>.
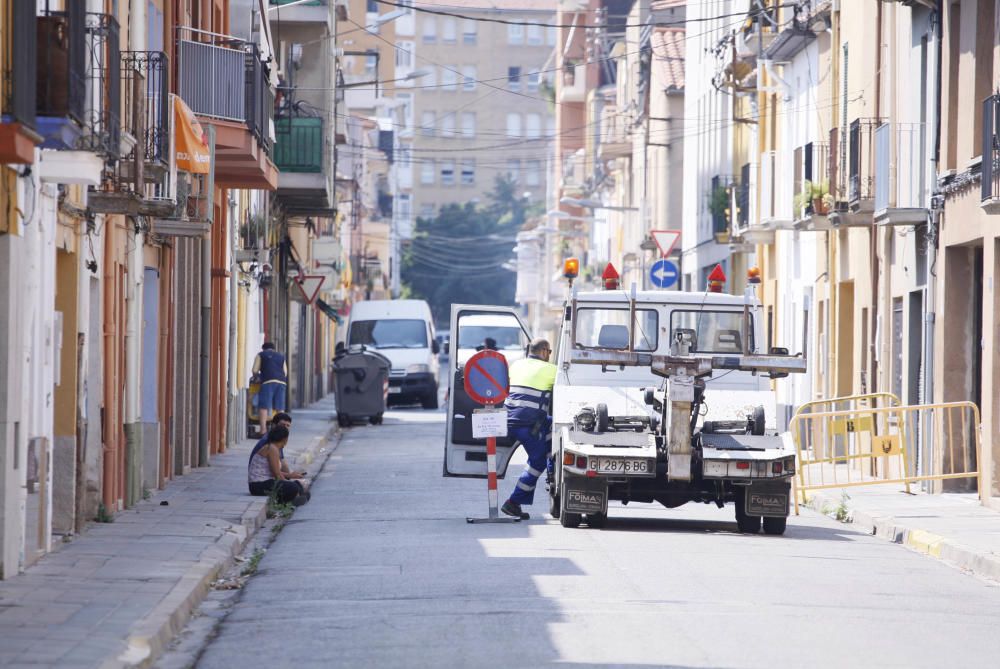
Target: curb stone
<point>149,637</point>
<point>984,564</point>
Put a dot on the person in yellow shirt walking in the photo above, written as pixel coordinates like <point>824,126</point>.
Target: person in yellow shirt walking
<point>529,421</point>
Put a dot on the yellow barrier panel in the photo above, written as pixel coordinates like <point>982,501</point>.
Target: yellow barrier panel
<point>863,446</point>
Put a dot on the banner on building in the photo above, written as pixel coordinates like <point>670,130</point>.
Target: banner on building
<point>192,144</point>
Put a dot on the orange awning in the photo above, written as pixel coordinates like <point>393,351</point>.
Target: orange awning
<point>192,145</point>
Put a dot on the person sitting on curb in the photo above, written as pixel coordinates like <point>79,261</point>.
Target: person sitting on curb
<point>285,420</point>
<point>264,475</point>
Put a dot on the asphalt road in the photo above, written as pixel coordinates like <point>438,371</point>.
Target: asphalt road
<point>381,570</point>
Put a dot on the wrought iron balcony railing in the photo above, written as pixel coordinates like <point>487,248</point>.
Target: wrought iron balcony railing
<point>20,37</point>
<point>102,111</point>
<point>147,104</point>
<point>861,161</point>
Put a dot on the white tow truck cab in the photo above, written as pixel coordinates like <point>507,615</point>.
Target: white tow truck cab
<point>660,397</point>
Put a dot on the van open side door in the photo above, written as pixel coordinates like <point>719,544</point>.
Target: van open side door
<point>474,327</point>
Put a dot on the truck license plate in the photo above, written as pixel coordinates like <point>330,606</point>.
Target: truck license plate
<point>620,465</point>
<point>394,389</point>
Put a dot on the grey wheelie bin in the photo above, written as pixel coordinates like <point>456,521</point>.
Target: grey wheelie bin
<point>362,382</point>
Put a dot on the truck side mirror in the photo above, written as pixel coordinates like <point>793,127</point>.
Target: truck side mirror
<point>446,347</point>
<point>435,347</point>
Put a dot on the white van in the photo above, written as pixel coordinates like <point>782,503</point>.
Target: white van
<point>401,330</point>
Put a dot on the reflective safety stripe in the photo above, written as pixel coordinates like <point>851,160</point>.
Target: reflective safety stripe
<point>531,470</point>
<point>531,404</point>
<point>525,487</point>
<point>525,390</point>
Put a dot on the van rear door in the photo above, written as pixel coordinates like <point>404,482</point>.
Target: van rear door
<point>471,326</point>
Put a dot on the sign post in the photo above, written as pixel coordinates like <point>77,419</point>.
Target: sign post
<point>487,382</point>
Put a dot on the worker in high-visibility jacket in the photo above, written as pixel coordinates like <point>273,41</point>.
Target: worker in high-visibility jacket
<point>529,421</point>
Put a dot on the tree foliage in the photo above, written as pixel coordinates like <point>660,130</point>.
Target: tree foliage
<point>458,257</point>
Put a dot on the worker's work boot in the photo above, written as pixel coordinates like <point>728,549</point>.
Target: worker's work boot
<point>512,509</point>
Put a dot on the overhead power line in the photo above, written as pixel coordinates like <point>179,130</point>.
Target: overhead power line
<point>515,22</point>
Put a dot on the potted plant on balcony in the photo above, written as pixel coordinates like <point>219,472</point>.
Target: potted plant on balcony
<point>253,233</point>
<point>815,199</point>
<point>718,205</point>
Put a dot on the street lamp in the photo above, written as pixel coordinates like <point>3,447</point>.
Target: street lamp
<point>415,74</point>
<point>594,204</point>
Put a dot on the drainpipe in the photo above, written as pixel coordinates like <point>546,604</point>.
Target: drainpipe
<point>874,236</point>
<point>231,399</point>
<point>831,235</point>
<point>205,348</point>
<point>133,363</point>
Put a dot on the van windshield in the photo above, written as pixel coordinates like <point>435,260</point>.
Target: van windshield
<point>497,338</point>
<point>389,333</point>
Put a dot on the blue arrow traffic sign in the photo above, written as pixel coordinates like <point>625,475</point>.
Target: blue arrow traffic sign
<point>663,274</point>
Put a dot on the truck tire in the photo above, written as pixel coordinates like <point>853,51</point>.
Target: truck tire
<point>602,418</point>
<point>554,503</point>
<point>775,526</point>
<point>757,427</point>
<point>597,520</point>
<point>567,519</point>
<point>746,524</point>
<point>343,420</point>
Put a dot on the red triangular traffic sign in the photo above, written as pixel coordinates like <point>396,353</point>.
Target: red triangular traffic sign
<point>666,240</point>
<point>310,285</point>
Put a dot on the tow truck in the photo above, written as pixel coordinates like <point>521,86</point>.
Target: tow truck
<point>660,396</point>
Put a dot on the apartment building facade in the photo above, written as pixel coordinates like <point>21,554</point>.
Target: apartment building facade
<point>481,110</point>
<point>146,255</point>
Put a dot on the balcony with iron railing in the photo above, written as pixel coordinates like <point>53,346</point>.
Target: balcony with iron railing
<point>142,181</point>
<point>78,85</point>
<point>861,164</point>
<point>720,206</point>
<point>812,200</point>
<point>852,173</point>
<point>18,35</point>
<point>900,174</point>
<point>225,81</point>
<point>304,160</point>
<point>990,183</point>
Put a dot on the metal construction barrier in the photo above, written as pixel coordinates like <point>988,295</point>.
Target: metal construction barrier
<point>930,444</point>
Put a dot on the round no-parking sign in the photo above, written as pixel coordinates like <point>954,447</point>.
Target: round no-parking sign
<point>486,379</point>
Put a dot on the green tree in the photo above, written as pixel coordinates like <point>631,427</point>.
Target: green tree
<point>458,257</point>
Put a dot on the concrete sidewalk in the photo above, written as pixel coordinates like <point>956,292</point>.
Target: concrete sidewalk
<point>117,594</point>
<point>953,527</point>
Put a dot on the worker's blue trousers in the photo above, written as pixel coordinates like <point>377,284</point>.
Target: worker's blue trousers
<point>537,442</point>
